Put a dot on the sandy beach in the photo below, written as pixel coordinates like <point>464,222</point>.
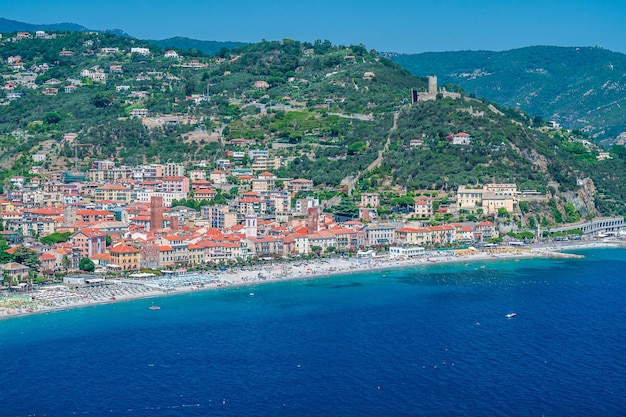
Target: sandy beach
<point>62,297</point>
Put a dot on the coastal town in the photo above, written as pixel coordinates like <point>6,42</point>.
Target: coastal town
<point>193,223</point>
<point>122,221</point>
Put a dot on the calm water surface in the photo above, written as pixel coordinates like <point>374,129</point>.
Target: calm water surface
<point>423,341</point>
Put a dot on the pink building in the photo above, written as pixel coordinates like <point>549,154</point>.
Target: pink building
<point>175,184</point>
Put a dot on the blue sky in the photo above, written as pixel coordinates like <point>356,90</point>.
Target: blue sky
<point>392,25</point>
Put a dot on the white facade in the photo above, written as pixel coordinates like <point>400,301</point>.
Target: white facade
<point>409,252</point>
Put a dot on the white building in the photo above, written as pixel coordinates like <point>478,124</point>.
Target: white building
<point>409,252</point>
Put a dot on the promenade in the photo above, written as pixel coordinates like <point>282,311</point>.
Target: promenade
<point>61,297</point>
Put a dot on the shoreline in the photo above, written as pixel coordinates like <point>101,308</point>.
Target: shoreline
<point>59,297</point>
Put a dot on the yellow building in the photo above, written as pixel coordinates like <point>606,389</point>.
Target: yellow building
<point>113,193</point>
<point>125,257</point>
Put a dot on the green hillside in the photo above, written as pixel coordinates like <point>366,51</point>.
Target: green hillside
<point>339,115</point>
<point>580,88</point>
<point>206,47</point>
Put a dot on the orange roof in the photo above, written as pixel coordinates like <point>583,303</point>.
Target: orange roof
<point>123,249</point>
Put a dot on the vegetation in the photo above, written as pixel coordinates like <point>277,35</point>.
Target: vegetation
<point>310,105</point>
<point>577,87</point>
<point>55,238</point>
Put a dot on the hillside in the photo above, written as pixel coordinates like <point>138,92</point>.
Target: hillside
<point>7,26</point>
<point>580,88</point>
<point>206,47</point>
<point>338,115</point>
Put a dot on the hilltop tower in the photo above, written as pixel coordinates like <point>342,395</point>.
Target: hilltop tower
<point>432,84</point>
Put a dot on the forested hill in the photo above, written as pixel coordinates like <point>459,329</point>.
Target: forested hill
<point>339,115</point>
<point>8,26</point>
<point>580,88</point>
<point>206,47</point>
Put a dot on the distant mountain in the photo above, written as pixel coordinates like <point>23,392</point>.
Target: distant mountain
<point>7,26</point>
<point>581,88</point>
<point>178,42</point>
<point>206,47</point>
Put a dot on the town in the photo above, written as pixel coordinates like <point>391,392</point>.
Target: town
<point>105,216</point>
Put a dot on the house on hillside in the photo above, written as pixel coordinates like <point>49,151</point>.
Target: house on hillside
<point>461,138</point>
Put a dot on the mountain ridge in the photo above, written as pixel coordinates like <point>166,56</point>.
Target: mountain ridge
<point>579,87</point>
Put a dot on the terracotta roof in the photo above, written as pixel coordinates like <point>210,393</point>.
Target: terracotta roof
<point>123,249</point>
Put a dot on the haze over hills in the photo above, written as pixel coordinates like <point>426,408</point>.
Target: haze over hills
<point>206,47</point>
<point>7,25</point>
<point>580,88</point>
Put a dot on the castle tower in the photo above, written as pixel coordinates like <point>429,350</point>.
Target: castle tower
<point>251,224</point>
<point>156,213</point>
<point>432,84</point>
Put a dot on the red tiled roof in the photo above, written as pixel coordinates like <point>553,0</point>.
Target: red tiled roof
<point>123,249</point>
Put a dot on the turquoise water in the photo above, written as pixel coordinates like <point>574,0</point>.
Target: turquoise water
<point>428,340</point>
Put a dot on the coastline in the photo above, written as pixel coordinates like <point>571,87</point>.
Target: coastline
<point>59,297</point>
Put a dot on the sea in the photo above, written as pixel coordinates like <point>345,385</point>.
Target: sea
<point>427,340</point>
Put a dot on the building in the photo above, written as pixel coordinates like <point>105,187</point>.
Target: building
<point>379,234</point>
<point>407,252</point>
<point>15,271</point>
<point>300,184</point>
<point>90,242</point>
<point>156,213</point>
<point>125,258</point>
<point>370,200</point>
<point>489,198</point>
<point>461,138</point>
<point>218,177</point>
<point>113,193</point>
<point>140,51</point>
<point>414,236</point>
<point>423,208</point>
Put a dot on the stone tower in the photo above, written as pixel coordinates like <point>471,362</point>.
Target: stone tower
<point>432,84</point>
<point>156,213</point>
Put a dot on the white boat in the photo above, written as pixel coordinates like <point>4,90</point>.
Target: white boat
<point>510,315</point>
<point>153,307</point>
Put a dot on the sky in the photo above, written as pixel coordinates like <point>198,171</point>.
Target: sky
<point>387,26</point>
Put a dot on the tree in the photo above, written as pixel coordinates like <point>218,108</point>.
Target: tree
<point>65,262</point>
<point>56,237</point>
<point>316,249</point>
<point>103,99</point>
<point>502,212</point>
<point>405,201</point>
<point>86,265</point>
<point>346,209</point>
<point>27,257</point>
<point>52,118</point>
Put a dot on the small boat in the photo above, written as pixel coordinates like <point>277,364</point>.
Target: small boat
<point>154,307</point>
<point>510,315</point>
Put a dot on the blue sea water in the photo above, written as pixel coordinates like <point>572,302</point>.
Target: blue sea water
<point>423,341</point>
